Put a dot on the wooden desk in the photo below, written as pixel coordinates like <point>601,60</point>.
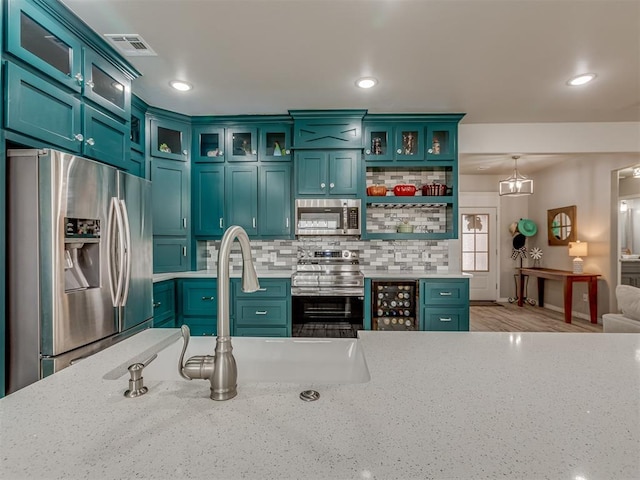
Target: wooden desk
<point>567,278</point>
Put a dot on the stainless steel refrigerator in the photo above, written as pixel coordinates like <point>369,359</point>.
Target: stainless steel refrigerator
<point>79,258</point>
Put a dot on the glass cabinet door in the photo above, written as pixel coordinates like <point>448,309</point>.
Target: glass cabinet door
<point>378,143</point>
<point>106,86</point>
<point>208,144</point>
<point>169,139</point>
<point>242,144</point>
<point>409,142</point>
<point>441,141</point>
<point>275,143</point>
<point>47,46</point>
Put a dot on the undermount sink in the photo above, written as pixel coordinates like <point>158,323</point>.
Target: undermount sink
<point>281,360</point>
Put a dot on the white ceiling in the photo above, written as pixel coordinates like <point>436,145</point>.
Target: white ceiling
<point>498,61</point>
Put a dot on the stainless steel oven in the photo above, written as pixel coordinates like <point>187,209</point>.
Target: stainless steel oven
<point>327,292</point>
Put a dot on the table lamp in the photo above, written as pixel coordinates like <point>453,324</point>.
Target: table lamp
<point>577,249</point>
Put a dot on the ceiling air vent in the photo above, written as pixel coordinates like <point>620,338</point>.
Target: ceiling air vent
<point>130,45</point>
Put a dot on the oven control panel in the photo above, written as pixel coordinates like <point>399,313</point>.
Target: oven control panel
<point>394,305</point>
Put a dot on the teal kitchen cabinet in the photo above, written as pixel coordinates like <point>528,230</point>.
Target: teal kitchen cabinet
<point>198,305</point>
<point>409,142</point>
<point>324,174</point>
<point>265,313</point>
<point>327,129</point>
<point>171,205</point>
<point>169,138</point>
<point>164,304</point>
<point>274,201</point>
<point>393,142</point>
<point>208,200</point>
<point>137,164</point>
<point>39,109</point>
<point>378,142</point>
<point>444,304</point>
<point>137,125</point>
<point>241,197</point>
<point>274,143</point>
<point>442,142</point>
<point>45,43</point>
<point>208,144</point>
<point>242,144</point>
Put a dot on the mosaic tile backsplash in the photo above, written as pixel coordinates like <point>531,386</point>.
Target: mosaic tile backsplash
<point>398,255</point>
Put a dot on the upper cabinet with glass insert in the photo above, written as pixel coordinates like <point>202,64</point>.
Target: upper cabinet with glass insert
<point>242,144</point>
<point>275,143</point>
<point>208,144</point>
<point>442,141</point>
<point>39,40</point>
<point>170,139</point>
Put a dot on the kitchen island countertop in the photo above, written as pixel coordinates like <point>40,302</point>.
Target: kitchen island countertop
<point>439,405</point>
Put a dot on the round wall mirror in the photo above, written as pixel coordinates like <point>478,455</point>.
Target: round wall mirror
<point>561,225</point>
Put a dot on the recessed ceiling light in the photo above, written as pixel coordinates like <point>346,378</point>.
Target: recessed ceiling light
<point>581,79</point>
<point>366,82</point>
<point>180,85</point>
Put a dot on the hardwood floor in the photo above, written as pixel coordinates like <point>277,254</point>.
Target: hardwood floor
<point>509,317</point>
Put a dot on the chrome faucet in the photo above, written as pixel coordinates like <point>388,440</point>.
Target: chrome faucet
<point>220,369</point>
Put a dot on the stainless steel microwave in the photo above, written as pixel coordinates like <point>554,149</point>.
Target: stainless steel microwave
<point>328,216</point>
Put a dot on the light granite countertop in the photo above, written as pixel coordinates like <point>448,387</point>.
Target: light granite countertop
<point>439,405</point>
<point>368,273</point>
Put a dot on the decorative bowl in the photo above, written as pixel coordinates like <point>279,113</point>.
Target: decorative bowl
<point>377,190</point>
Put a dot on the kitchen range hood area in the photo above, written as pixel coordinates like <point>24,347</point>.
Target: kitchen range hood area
<point>351,340</point>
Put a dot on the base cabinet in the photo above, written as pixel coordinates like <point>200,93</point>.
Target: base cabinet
<point>444,304</point>
<point>164,304</point>
<point>265,313</point>
<point>198,305</point>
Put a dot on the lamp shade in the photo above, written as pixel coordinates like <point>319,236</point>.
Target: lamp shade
<point>517,184</point>
<point>578,249</point>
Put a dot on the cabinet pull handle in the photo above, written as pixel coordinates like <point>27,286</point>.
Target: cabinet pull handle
<point>261,312</point>
<point>331,185</point>
<point>445,319</point>
<point>79,137</point>
<point>445,294</point>
<point>79,78</point>
<point>184,222</point>
<point>254,222</point>
<point>91,142</point>
<point>286,222</point>
<point>207,299</point>
<point>221,226</point>
<point>156,304</point>
<point>322,185</point>
<point>262,289</point>
<point>184,251</point>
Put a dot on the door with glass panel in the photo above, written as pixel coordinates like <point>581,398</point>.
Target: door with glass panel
<point>479,251</point>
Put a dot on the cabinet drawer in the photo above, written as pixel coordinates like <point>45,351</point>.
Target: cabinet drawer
<point>445,319</point>
<point>261,332</point>
<point>444,292</point>
<point>201,325</point>
<point>199,297</point>
<point>163,299</point>
<point>269,288</point>
<point>261,312</point>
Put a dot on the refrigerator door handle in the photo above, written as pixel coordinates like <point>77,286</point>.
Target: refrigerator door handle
<point>127,252</point>
<point>111,267</point>
<point>121,253</point>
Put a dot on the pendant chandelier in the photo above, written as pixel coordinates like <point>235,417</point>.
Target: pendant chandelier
<point>517,184</point>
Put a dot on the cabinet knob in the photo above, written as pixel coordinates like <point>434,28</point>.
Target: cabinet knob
<point>331,185</point>
<point>185,152</point>
<point>367,151</point>
<point>79,78</point>
<point>322,185</point>
<point>221,153</point>
<point>399,150</point>
<point>430,150</point>
<point>79,137</point>
<point>91,142</point>
<point>287,151</point>
<point>90,84</point>
<point>254,152</point>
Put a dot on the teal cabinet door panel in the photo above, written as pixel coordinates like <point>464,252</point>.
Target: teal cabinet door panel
<point>208,144</point>
<point>312,173</point>
<point>208,200</point>
<point>328,133</point>
<point>274,143</point>
<point>242,144</point>
<point>136,164</point>
<point>269,288</point>
<point>170,254</point>
<point>241,197</point>
<point>138,135</point>
<point>274,200</point>
<point>170,197</point>
<point>44,44</point>
<point>445,292</point>
<point>445,319</point>
<point>442,141</point>
<point>105,139</point>
<point>39,109</point>
<point>164,304</point>
<point>409,142</point>
<point>261,313</point>
<point>201,326</point>
<point>344,172</point>
<point>170,139</point>
<point>104,85</point>
<point>378,143</point>
<point>445,304</point>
